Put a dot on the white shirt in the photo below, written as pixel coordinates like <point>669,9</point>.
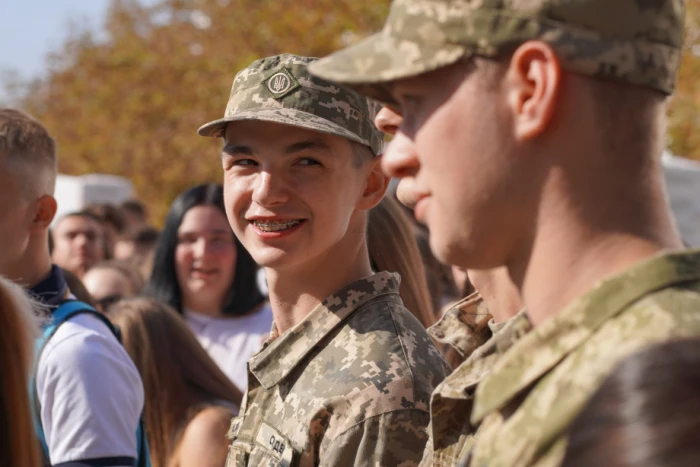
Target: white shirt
<point>90,392</point>
<point>231,341</point>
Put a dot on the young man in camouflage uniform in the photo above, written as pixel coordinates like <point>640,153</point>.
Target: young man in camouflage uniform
<point>346,376</point>
<point>478,328</point>
<point>554,110</point>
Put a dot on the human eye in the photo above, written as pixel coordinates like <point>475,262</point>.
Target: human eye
<point>409,103</point>
<point>244,162</point>
<point>308,161</point>
<point>185,239</point>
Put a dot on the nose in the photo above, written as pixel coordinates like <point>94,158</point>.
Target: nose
<point>200,248</point>
<point>405,192</point>
<point>400,159</point>
<point>269,190</point>
<point>388,120</point>
<point>81,241</point>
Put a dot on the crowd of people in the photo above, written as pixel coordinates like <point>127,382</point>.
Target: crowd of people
<point>500,285</point>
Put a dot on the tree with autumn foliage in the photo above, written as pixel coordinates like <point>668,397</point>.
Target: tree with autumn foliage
<point>129,101</point>
<point>684,109</point>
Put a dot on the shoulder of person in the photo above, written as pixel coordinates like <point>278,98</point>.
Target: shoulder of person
<point>392,333</point>
<point>81,335</point>
<point>203,442</point>
<point>90,393</point>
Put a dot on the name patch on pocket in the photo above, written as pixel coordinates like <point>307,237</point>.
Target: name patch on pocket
<point>279,446</point>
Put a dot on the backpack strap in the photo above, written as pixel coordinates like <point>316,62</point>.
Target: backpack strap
<point>66,310</point>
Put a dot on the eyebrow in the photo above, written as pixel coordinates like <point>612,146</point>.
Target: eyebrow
<point>237,149</point>
<point>313,145</point>
<point>233,149</point>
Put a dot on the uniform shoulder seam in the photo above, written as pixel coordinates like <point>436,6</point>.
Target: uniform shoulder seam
<point>405,355</point>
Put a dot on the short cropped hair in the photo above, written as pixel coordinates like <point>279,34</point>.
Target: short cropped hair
<point>134,207</point>
<point>108,214</point>
<point>360,154</point>
<point>27,148</point>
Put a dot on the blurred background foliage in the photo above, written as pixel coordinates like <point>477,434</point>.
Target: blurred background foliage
<point>128,100</point>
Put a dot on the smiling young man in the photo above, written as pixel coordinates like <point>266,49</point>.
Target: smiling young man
<point>346,376</point>
<point>533,131</point>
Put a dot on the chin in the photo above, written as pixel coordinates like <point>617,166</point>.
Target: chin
<point>275,259</point>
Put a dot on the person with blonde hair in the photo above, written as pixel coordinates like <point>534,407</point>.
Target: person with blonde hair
<point>87,393</point>
<point>18,328</point>
<point>189,400</point>
<point>393,247</point>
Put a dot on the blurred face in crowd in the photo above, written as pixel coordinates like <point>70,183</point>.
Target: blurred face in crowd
<point>15,217</point>
<point>293,195</point>
<point>454,146</point>
<point>107,285</point>
<point>78,244</point>
<point>205,259</point>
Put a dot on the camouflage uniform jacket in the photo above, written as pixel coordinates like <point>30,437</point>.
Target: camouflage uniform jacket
<point>469,327</point>
<point>525,405</point>
<point>349,385</point>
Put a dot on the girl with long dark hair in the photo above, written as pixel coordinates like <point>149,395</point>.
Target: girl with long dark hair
<point>204,273</point>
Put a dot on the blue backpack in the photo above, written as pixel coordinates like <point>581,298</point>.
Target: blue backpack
<point>67,310</point>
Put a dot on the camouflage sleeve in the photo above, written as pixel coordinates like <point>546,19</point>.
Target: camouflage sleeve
<point>394,438</point>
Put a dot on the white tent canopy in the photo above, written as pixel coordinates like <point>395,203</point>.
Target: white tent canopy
<point>74,193</point>
<point>683,182</point>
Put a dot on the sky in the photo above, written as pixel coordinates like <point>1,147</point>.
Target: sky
<point>29,29</point>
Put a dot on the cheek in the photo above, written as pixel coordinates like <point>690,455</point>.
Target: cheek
<point>183,260</point>
<point>237,196</point>
<point>227,260</point>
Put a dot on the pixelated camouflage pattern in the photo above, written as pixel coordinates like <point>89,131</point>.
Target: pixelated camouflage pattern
<point>349,385</point>
<point>635,41</point>
<point>450,431</point>
<point>538,387</point>
<point>465,326</point>
<point>302,101</point>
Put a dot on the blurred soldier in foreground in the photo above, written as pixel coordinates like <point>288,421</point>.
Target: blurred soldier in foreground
<point>476,328</point>
<point>533,130</point>
<point>346,375</point>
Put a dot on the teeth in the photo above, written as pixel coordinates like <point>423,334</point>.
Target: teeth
<point>274,226</point>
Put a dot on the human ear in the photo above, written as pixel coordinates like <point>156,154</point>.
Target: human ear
<point>45,211</point>
<point>533,81</point>
<point>376,185</point>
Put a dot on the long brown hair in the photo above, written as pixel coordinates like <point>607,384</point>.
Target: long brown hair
<point>18,445</point>
<point>178,375</point>
<point>392,247</point>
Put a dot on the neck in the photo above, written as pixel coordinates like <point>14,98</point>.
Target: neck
<point>295,292</point>
<point>204,309</point>
<point>498,292</point>
<point>33,266</point>
<point>586,234</point>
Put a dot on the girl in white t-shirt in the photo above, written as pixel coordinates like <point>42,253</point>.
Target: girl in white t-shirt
<point>203,272</point>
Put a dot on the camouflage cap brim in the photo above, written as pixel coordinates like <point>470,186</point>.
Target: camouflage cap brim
<point>284,116</point>
<point>383,58</point>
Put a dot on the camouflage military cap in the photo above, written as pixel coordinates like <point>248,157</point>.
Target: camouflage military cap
<point>634,41</point>
<point>280,89</point>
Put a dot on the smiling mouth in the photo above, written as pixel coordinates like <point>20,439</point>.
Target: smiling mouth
<point>276,226</point>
